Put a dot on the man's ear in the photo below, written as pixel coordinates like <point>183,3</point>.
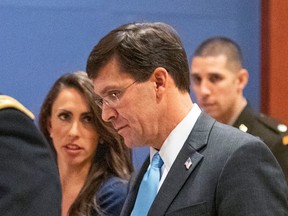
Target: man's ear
<point>243,77</point>
<point>159,77</point>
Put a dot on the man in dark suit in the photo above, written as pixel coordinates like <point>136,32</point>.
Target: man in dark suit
<point>218,81</point>
<point>29,181</point>
<point>141,76</point>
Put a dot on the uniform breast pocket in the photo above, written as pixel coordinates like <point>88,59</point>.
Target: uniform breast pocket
<point>195,210</point>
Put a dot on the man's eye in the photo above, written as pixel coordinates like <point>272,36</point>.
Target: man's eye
<point>113,96</point>
<point>215,78</point>
<point>195,79</point>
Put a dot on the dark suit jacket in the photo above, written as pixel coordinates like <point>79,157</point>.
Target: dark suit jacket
<point>266,128</point>
<point>232,174</point>
<point>111,196</point>
<point>29,180</point>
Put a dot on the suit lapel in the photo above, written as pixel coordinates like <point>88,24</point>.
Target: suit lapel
<point>170,188</point>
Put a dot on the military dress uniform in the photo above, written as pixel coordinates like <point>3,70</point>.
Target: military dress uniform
<point>273,133</point>
<point>29,179</point>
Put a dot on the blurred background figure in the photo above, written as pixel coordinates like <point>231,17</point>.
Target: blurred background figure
<point>93,163</point>
<point>218,80</point>
<point>29,180</point>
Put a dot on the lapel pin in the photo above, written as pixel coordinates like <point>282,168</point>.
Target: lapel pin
<point>188,163</point>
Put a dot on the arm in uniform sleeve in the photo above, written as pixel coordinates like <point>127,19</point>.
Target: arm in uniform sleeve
<point>277,137</point>
<point>270,130</point>
<point>281,153</point>
<point>29,179</point>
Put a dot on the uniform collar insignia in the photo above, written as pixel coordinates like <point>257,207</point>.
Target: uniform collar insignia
<point>243,128</point>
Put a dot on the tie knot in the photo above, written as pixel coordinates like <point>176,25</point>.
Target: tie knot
<point>156,162</point>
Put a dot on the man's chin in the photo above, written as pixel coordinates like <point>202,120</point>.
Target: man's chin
<point>212,113</point>
<point>132,144</point>
<point>128,142</point>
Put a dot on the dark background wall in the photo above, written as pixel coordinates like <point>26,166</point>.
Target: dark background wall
<point>40,40</point>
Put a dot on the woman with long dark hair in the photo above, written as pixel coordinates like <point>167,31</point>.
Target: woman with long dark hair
<point>94,165</point>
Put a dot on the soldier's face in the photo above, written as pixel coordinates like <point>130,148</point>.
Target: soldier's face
<point>215,86</point>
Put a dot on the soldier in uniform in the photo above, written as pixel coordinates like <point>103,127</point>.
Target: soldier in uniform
<point>29,180</point>
<point>218,81</point>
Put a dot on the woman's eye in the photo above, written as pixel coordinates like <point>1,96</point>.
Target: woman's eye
<point>88,119</point>
<point>64,116</point>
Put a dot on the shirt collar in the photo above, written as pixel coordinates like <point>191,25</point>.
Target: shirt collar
<point>176,139</point>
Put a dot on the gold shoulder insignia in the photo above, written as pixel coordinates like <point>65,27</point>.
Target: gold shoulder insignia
<point>285,140</point>
<point>9,102</point>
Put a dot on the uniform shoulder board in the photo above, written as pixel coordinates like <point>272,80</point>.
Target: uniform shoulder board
<point>9,102</point>
<point>273,124</point>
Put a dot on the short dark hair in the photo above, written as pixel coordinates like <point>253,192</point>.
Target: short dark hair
<point>139,49</point>
<point>221,45</point>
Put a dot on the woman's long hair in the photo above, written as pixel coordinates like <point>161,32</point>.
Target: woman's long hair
<point>112,157</point>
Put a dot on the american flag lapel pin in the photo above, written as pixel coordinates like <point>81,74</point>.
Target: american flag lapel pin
<point>188,163</point>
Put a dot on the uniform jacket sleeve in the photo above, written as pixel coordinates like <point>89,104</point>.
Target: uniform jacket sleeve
<point>29,180</point>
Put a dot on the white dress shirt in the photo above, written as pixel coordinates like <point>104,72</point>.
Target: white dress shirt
<point>175,141</point>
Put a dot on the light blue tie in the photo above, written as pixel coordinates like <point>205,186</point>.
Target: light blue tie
<point>148,187</point>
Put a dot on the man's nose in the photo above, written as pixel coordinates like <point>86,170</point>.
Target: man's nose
<point>108,113</point>
<point>205,88</point>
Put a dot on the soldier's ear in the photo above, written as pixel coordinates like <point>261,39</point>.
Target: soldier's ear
<point>243,77</point>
